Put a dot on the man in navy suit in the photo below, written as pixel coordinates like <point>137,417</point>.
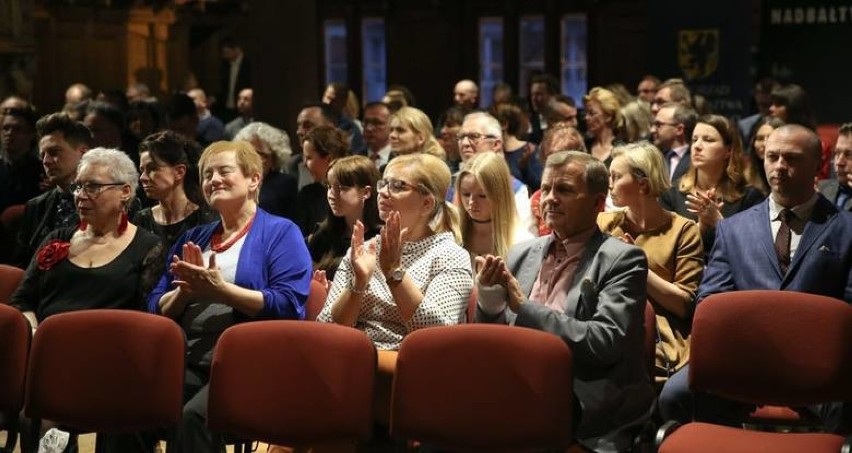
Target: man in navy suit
<point>672,133</point>
<point>816,257</point>
<point>838,190</point>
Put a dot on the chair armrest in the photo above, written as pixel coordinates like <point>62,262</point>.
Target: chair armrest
<point>665,430</point>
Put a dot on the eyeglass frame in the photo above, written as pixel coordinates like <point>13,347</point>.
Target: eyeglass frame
<point>336,188</point>
<point>389,182</point>
<point>658,124</point>
<point>474,137</point>
<point>92,189</point>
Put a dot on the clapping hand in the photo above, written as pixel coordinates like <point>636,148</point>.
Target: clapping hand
<point>362,256</point>
<point>392,239</point>
<point>192,276</point>
<point>319,275</point>
<point>705,207</point>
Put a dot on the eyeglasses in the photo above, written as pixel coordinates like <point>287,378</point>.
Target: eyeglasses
<point>336,188</point>
<point>474,137</point>
<point>659,124</point>
<point>92,189</point>
<point>396,186</point>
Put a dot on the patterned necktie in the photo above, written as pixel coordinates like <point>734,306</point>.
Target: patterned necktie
<point>782,240</point>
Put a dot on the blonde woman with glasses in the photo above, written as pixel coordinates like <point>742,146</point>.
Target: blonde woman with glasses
<point>414,274</point>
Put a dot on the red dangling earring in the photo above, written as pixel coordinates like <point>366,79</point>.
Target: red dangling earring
<point>82,225</point>
<point>122,223</point>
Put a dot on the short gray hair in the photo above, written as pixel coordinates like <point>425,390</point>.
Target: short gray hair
<point>273,138</point>
<point>491,125</point>
<point>121,168</point>
<point>595,174</point>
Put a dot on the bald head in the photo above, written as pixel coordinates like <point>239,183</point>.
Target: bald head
<point>466,94</point>
<point>792,161</point>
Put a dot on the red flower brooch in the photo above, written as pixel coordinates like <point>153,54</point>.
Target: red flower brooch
<point>52,253</point>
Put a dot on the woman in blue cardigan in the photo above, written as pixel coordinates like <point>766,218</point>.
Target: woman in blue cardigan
<point>248,265</point>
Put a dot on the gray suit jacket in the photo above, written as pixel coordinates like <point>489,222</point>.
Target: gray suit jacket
<point>603,324</point>
<point>829,188</point>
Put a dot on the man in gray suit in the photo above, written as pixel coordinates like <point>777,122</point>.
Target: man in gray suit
<point>589,289</point>
<point>839,189</point>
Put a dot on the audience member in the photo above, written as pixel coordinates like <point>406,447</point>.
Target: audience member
<point>182,116</point>
<point>245,110</point>
<point>62,143</point>
<point>560,137</point>
<point>352,196</point>
<point>76,97</point>
<point>414,274</point>
<point>466,95</point>
<point>322,146</point>
<point>763,101</point>
<point>169,175</point>
<point>336,96</point>
<point>621,93</point>
<point>488,218</point>
<point>758,148</point>
<point>235,74</point>
<point>210,128</point>
<point>672,90</point>
<point>637,121</point>
<point>519,155</point>
<point>21,173</point>
<point>249,265</point>
<point>139,92</point>
<point>838,190</point>
<point>542,88</point>
<point>604,123</point>
<point>812,254</point>
<point>451,122</point>
<point>399,96</point>
<point>105,262</point>
<point>718,183</point>
<point>309,117</point>
<point>411,132</point>
<point>109,129</point>
<point>672,245</point>
<point>144,118</point>
<point>589,289</point>
<point>561,108</point>
<point>647,88</point>
<point>377,132</point>
<point>279,190</point>
<point>672,134</point>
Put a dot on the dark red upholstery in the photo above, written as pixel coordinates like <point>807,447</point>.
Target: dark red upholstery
<point>316,300</point>
<point>10,278</point>
<point>768,348</point>
<point>471,306</point>
<point>650,339</point>
<point>778,348</point>
<point>487,387</point>
<point>11,216</point>
<point>292,383</point>
<point>14,347</point>
<point>707,438</point>
<point>106,371</point>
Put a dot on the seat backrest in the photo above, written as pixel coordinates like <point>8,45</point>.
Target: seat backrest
<point>11,216</point>
<point>779,348</point>
<point>107,371</point>
<point>14,347</point>
<point>480,386</point>
<point>650,338</point>
<point>292,383</point>
<point>10,278</point>
<point>316,300</point>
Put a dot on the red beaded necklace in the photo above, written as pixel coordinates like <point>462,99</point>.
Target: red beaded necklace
<point>216,241</point>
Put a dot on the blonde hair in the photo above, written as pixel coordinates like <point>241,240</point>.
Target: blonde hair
<point>352,107</point>
<point>492,174</point>
<point>646,162</point>
<point>247,158</point>
<point>609,106</point>
<point>432,175</point>
<point>419,123</point>
<point>637,121</point>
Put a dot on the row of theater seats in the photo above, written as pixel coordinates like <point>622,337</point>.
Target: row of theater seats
<point>467,387</point>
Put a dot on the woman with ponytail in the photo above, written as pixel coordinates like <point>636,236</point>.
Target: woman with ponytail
<point>414,274</point>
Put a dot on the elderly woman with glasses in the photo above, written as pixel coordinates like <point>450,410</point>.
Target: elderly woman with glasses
<point>248,265</point>
<point>414,274</point>
<point>105,262</point>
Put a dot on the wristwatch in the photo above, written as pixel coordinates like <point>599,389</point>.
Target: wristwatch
<point>396,275</point>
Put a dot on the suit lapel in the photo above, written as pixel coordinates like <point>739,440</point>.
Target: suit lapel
<point>532,264</point>
<point>762,233</point>
<point>823,212</point>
